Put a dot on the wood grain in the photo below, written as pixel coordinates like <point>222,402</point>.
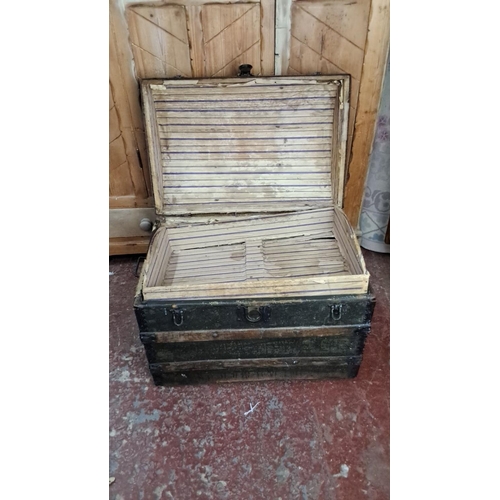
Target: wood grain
<point>128,245</point>
<point>375,60</point>
<point>248,334</point>
<point>129,178</point>
<point>158,36</point>
<point>223,364</point>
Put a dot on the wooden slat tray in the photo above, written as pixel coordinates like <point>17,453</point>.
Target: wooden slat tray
<point>305,253</point>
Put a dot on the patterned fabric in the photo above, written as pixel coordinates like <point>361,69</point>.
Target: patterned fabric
<point>376,203</point>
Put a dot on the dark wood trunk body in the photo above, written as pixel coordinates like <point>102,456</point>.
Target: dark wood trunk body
<point>309,338</point>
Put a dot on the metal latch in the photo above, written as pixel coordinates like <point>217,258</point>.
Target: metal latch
<point>177,316</point>
<point>254,314</point>
<point>336,312</point>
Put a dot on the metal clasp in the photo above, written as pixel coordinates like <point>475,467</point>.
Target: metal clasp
<point>254,314</point>
<point>336,312</point>
<point>177,316</point>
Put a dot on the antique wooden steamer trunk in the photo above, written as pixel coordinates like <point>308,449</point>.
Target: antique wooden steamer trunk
<point>253,271</point>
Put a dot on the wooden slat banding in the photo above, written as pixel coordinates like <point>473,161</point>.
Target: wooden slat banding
<point>222,364</point>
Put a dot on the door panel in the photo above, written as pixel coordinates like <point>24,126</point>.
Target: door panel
<point>231,36</point>
<point>159,40</point>
<point>202,39</point>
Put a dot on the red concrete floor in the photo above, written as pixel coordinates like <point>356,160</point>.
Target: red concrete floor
<point>306,440</point>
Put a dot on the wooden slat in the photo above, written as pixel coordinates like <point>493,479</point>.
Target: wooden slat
<point>249,334</point>
<point>165,90</point>
<point>223,364</point>
<point>348,242</point>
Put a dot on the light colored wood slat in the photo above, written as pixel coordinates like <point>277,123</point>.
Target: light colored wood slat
<point>153,144</point>
<point>245,146</point>
<point>246,180</point>
<point>231,169</point>
<point>190,2</point>
<point>239,274</point>
<point>188,136</point>
<point>184,241</point>
<point>237,83</point>
<point>271,285</point>
<point>339,142</point>
<point>346,238</point>
<point>279,117</point>
<point>231,97</point>
<point>255,92</point>
<point>287,287</point>
<point>346,230</point>
<point>311,126</point>
<point>279,102</point>
<point>242,196</point>
<point>251,192</point>
<point>179,263</point>
<point>214,254</point>
<point>157,261</point>
<point>248,155</point>
<point>376,52</point>
<point>231,208</point>
<point>263,222</point>
<point>214,239</point>
<point>240,144</point>
<point>205,192</point>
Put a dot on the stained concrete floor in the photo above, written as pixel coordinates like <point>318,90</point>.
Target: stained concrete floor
<point>306,440</point>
